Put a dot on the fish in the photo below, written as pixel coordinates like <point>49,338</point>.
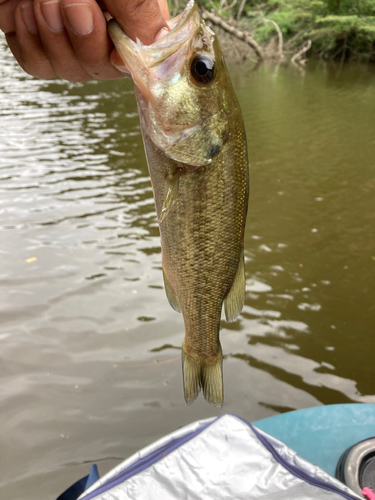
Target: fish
<point>196,150</point>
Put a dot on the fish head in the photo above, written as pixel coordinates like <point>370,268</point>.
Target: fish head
<point>182,86</point>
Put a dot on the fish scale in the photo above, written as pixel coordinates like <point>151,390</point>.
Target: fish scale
<point>195,146</point>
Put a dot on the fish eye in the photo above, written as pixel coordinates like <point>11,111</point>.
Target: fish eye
<point>202,69</point>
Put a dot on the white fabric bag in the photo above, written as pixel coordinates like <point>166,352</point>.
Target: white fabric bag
<point>216,459</point>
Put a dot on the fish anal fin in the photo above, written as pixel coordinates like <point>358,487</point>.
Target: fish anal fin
<point>235,299</point>
<point>172,297</point>
<point>208,376</point>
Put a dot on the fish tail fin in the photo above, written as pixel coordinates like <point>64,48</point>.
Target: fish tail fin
<point>191,373</point>
<point>212,381</point>
<point>207,376</point>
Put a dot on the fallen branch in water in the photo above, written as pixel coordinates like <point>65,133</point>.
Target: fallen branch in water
<point>231,28</point>
<point>280,36</point>
<point>278,31</point>
<point>301,52</point>
<point>241,35</point>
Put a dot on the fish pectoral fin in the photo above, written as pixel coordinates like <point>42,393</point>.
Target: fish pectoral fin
<point>235,299</point>
<point>199,374</point>
<point>171,192</point>
<point>172,297</point>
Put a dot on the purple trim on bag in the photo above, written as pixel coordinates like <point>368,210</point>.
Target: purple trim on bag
<point>146,462</point>
<point>301,474</point>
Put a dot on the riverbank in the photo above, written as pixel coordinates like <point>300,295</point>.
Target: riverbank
<point>286,29</point>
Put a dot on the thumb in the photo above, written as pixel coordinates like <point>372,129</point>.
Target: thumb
<point>141,19</point>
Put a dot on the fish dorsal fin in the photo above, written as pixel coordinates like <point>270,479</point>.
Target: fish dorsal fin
<point>172,297</point>
<point>235,299</point>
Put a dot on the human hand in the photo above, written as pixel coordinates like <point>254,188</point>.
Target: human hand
<point>69,38</point>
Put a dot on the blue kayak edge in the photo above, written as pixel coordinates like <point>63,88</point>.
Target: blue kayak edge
<point>321,434</point>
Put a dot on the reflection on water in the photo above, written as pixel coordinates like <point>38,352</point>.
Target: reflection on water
<point>90,348</point>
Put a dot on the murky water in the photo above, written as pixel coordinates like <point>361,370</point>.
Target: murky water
<point>89,346</point>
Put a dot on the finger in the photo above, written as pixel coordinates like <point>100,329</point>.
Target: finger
<point>87,30</point>
<point>7,11</point>
<point>26,44</point>
<point>117,61</point>
<point>163,5</point>
<point>141,19</point>
<point>56,42</point>
<point>12,42</point>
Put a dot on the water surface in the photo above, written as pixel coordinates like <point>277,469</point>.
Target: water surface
<point>89,346</point>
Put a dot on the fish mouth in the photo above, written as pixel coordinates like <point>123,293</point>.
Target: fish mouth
<point>139,58</point>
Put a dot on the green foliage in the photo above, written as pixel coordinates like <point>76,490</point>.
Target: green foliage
<point>337,28</point>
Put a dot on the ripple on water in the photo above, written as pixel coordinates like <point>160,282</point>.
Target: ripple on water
<point>89,344</point>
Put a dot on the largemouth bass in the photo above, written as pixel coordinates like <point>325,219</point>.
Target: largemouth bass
<point>195,145</point>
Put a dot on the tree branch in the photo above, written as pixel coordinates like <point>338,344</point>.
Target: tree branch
<point>300,53</point>
<point>240,9</point>
<point>277,28</point>
<point>213,6</point>
<point>241,35</point>
<point>280,36</point>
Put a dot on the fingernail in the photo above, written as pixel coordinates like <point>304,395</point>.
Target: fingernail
<point>119,63</point>
<point>107,15</point>
<point>52,15</point>
<point>123,69</point>
<point>28,17</point>
<point>80,18</point>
